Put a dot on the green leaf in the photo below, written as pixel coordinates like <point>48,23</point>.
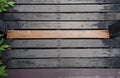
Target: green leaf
<point>1,41</point>
<point>1,10</point>
<point>5,46</point>
<point>1,62</point>
<point>4,74</point>
<point>3,0</point>
<point>2,49</point>
<point>2,71</point>
<point>11,3</point>
<point>5,10</point>
<point>2,68</point>
<point>6,5</point>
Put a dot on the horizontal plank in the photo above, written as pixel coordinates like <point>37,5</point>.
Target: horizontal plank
<point>58,34</point>
<point>56,53</point>
<point>58,25</point>
<point>61,16</point>
<point>68,62</point>
<point>64,73</point>
<point>64,1</point>
<point>67,8</point>
<point>58,43</point>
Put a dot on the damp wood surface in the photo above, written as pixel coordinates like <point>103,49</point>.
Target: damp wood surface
<point>39,38</point>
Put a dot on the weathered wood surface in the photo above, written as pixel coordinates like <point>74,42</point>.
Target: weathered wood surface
<point>61,16</point>
<point>59,25</point>
<point>63,53</point>
<point>64,63</point>
<point>67,8</point>
<point>64,43</point>
<point>19,34</point>
<point>64,1</point>
<point>63,73</point>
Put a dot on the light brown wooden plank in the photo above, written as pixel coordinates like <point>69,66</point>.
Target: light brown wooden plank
<point>58,34</point>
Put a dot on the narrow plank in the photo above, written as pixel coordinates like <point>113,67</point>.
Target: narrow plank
<point>64,1</point>
<point>64,43</point>
<point>58,25</point>
<point>61,16</point>
<point>35,43</point>
<point>64,53</point>
<point>58,34</point>
<point>64,73</point>
<point>67,8</point>
<point>64,63</point>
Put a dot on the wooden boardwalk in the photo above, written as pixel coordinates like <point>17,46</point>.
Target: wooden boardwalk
<point>36,57</point>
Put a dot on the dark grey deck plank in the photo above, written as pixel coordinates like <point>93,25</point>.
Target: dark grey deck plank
<point>56,53</point>
<point>61,16</point>
<point>32,43</point>
<point>57,25</point>
<point>64,1</point>
<point>77,43</point>
<point>63,73</point>
<point>59,43</point>
<point>67,8</point>
<point>35,53</point>
<point>68,62</point>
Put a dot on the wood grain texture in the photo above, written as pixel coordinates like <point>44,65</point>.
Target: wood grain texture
<point>27,52</point>
<point>64,63</point>
<point>59,25</point>
<point>64,1</point>
<point>58,34</point>
<point>67,8</point>
<point>64,73</point>
<point>63,53</point>
<point>64,43</point>
<point>61,16</point>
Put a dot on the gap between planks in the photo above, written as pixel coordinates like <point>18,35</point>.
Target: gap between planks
<point>19,34</point>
